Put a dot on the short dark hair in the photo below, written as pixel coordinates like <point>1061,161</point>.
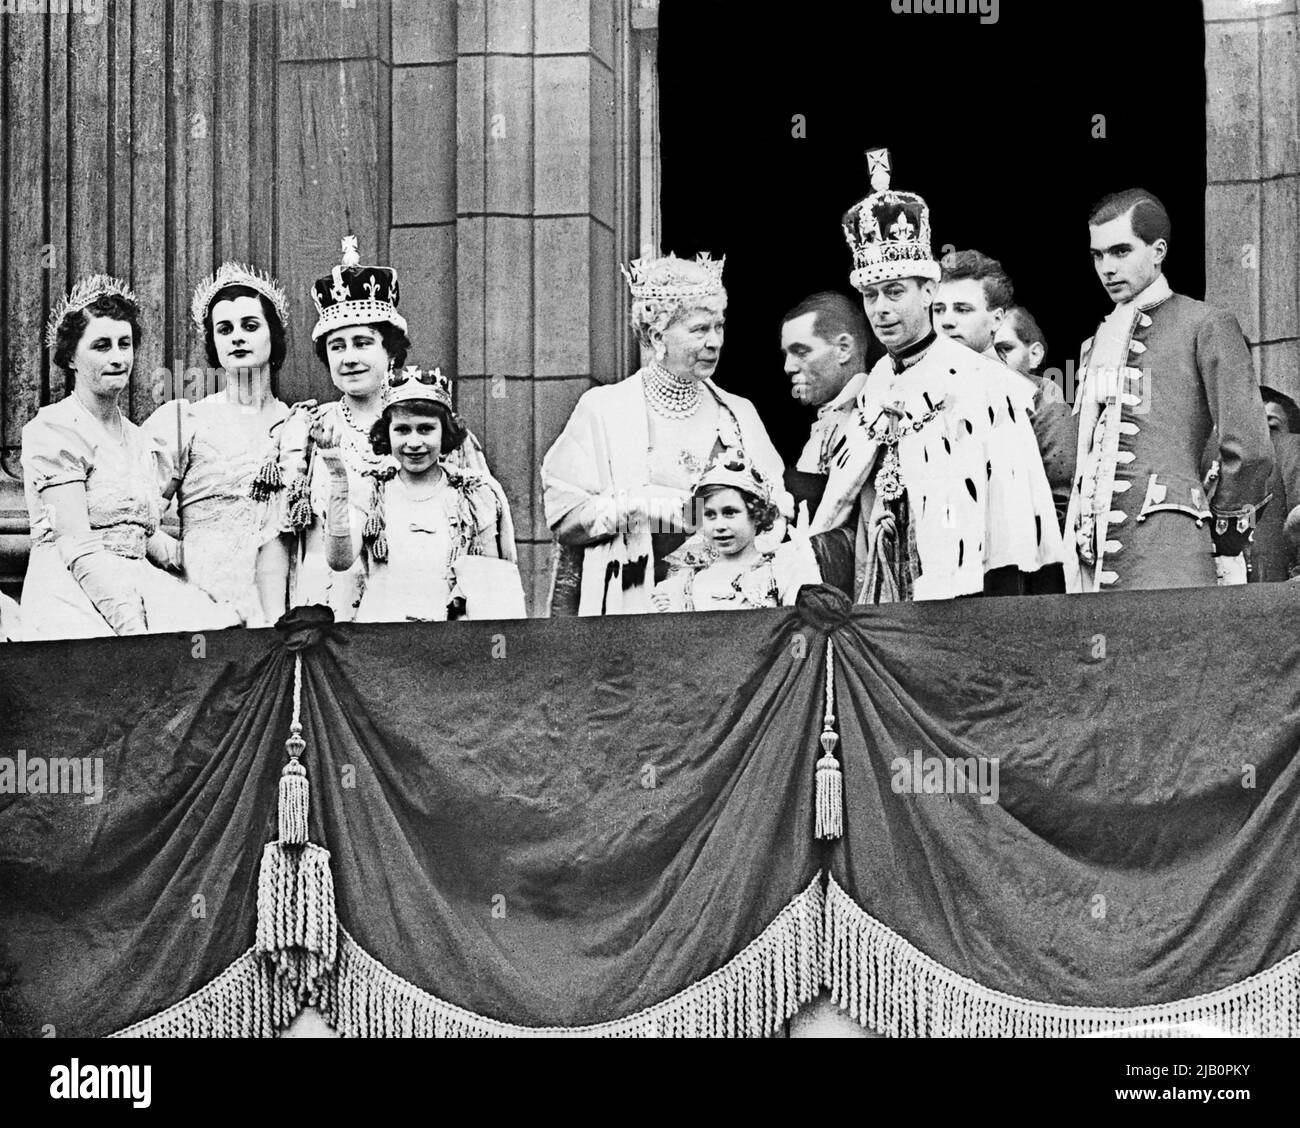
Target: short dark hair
<point>453,427</point>
<point>1288,405</point>
<point>836,314</point>
<point>395,341</point>
<point>74,324</point>
<point>279,342</point>
<point>1026,328</point>
<point>762,513</point>
<point>1150,220</point>
<point>960,265</point>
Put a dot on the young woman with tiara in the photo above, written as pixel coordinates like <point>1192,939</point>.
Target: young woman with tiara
<point>361,338</point>
<point>99,565</point>
<point>430,540</point>
<point>228,465</point>
<point>733,505</point>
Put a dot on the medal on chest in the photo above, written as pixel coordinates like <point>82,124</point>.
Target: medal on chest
<point>892,425</point>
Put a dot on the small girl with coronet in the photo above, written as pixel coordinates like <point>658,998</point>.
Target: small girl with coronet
<point>430,543</point>
<point>734,504</point>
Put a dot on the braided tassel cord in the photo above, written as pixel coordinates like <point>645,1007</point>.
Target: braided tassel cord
<point>297,926</point>
<point>830,780</point>
<point>373,533</point>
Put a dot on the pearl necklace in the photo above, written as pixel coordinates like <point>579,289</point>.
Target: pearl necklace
<point>669,396</point>
<point>350,419</point>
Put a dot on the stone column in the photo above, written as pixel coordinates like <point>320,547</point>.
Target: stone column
<point>537,203</point>
<point>1252,207</point>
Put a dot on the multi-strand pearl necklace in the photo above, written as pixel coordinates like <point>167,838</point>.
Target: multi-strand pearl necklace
<point>669,396</point>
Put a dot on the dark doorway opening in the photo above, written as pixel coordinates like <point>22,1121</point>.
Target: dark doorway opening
<point>992,123</point>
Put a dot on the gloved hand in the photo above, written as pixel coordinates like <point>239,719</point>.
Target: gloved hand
<point>164,552</point>
<point>1230,570</point>
<point>107,580</point>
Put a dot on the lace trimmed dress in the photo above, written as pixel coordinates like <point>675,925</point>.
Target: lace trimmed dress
<point>217,452</point>
<point>66,443</point>
<point>313,580</point>
<point>723,586</point>
<point>428,530</point>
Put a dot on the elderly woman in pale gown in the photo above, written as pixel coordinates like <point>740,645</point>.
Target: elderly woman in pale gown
<point>226,450</point>
<point>99,564</point>
<point>618,480</point>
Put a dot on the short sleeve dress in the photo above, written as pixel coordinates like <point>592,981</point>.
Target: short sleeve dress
<point>66,443</point>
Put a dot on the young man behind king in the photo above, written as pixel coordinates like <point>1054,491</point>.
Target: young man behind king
<point>1161,372</point>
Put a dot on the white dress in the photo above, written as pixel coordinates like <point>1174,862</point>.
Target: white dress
<point>66,443</point>
<point>427,531</point>
<point>217,450</point>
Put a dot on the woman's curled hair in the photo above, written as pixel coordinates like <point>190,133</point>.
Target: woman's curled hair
<point>74,325</point>
<point>395,341</point>
<point>279,344</point>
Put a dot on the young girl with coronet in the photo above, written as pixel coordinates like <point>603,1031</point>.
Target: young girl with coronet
<point>734,505</point>
<point>429,544</point>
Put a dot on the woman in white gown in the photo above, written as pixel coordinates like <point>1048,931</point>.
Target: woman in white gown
<point>226,448</point>
<point>99,565</point>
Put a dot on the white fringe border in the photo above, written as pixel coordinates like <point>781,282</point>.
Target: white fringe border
<point>887,984</point>
<point>247,1000</point>
<point>751,995</point>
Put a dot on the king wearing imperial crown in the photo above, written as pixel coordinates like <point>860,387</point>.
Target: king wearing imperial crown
<point>939,464</point>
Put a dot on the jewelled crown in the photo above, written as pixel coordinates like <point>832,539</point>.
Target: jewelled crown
<point>412,383</point>
<point>672,280</point>
<point>732,468</point>
<point>237,274</point>
<point>86,291</point>
<point>352,294</point>
<point>888,232</point>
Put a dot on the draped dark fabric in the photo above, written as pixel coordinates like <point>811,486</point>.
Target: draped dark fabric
<point>546,823</point>
<point>563,823</point>
<point>110,911</point>
<point>1145,842</point>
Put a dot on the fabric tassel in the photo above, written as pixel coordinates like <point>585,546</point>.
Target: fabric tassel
<point>300,516</point>
<point>297,924</point>
<point>751,995</point>
<point>888,985</point>
<point>268,480</point>
<point>830,790</point>
<point>373,532</point>
<point>829,821</point>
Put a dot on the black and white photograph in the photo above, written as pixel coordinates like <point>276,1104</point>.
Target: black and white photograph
<point>417,382</point>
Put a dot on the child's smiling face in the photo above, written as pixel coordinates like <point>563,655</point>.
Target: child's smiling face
<point>726,522</point>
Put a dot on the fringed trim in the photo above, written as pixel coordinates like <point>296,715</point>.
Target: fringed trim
<point>244,1001</point>
<point>829,822</point>
<point>887,984</point>
<point>749,996</point>
<point>297,924</point>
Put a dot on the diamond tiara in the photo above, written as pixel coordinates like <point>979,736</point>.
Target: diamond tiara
<point>237,274</point>
<point>85,292</point>
<point>673,279</point>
